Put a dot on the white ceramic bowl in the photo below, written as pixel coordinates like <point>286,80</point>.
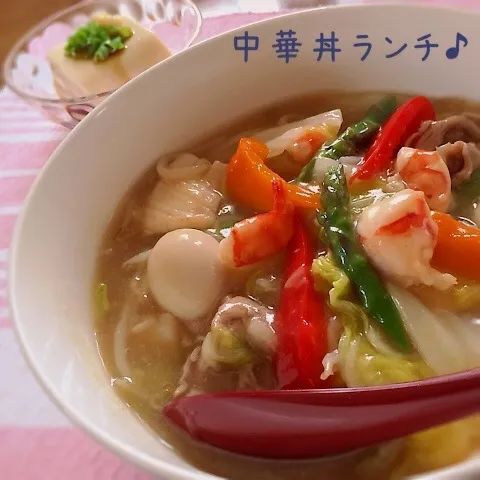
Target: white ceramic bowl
<point>162,110</point>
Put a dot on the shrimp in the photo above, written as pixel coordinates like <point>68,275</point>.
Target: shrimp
<point>399,235</point>
<point>426,171</point>
<point>260,236</point>
<point>302,141</point>
<point>306,144</point>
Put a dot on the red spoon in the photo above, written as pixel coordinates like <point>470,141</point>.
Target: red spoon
<point>313,423</point>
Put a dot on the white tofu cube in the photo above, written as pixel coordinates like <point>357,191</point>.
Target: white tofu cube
<point>79,77</point>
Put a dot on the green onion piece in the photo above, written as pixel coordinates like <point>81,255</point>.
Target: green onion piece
<point>100,299</point>
<point>97,42</point>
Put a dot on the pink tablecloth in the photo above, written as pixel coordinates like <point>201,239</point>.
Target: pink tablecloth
<point>36,441</point>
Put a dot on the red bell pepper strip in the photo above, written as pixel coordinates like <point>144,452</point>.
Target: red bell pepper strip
<point>403,122</point>
<point>301,318</point>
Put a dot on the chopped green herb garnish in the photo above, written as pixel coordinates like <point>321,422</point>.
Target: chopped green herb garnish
<point>100,300</point>
<point>96,41</point>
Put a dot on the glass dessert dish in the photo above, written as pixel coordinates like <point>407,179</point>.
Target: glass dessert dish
<point>29,72</point>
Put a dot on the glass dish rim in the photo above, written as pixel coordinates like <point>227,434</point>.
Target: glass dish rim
<point>41,26</point>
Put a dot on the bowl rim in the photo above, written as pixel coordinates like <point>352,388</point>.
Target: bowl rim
<point>136,457</point>
<point>43,24</point>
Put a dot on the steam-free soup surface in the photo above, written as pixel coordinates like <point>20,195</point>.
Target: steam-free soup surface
<point>199,310</point>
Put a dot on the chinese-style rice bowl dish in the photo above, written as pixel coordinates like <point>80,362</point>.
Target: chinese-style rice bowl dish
<point>331,241</point>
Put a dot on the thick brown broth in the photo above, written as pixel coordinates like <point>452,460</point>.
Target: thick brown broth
<point>154,366</point>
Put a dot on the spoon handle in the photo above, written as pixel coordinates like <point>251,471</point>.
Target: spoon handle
<point>314,423</point>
